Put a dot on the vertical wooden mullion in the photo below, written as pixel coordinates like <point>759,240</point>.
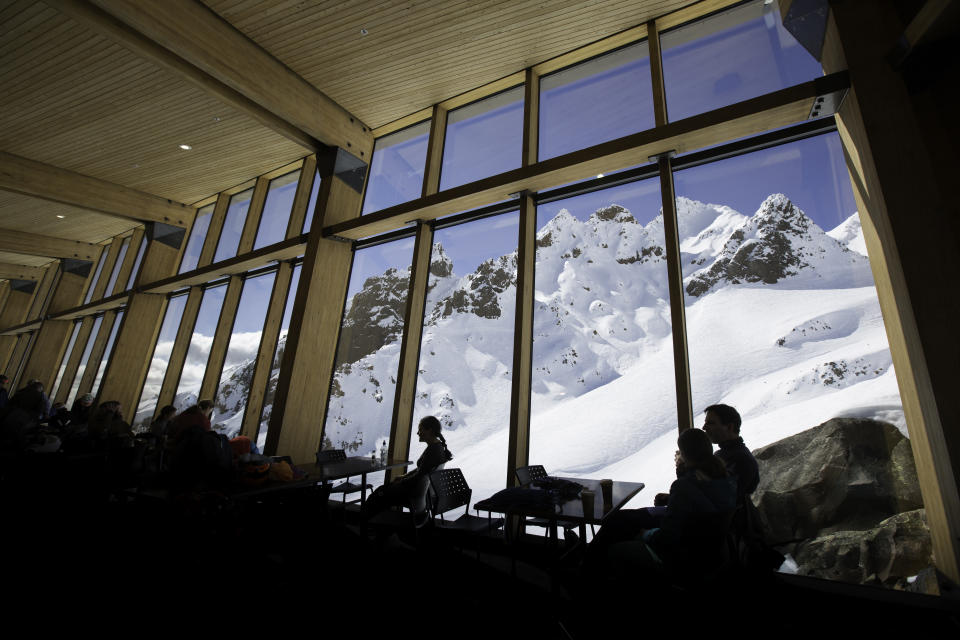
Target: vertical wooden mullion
<point>73,363</point>
<point>254,213</point>
<point>438,132</point>
<point>4,292</point>
<point>99,290</point>
<point>268,347</point>
<point>656,74</point>
<point>402,419</point>
<point>181,344</point>
<point>531,118</point>
<point>42,291</point>
<point>18,361</point>
<point>681,360</point>
<point>217,219</point>
<point>96,353</point>
<point>132,250</point>
<point>221,339</point>
<point>298,213</point>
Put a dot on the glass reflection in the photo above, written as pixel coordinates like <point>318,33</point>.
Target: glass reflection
<point>483,139</point>
<point>191,255</point>
<point>396,172</point>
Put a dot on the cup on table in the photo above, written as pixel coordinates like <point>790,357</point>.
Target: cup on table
<point>588,499</point>
<point>606,486</point>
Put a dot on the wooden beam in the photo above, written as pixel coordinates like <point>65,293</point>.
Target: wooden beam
<point>656,75</point>
<point>298,213</point>
<point>181,344</point>
<point>21,272</point>
<point>213,231</point>
<point>189,32</point>
<point>32,178</point>
<point>15,366</point>
<point>221,339</point>
<point>254,213</point>
<point>531,119</point>
<point>303,388</point>
<point>97,352</point>
<point>268,347</point>
<point>891,137</point>
<point>32,244</point>
<point>522,370</point>
<point>746,118</point>
<point>133,247</point>
<point>13,312</point>
<point>678,317</point>
<point>434,160</point>
<point>100,286</point>
<point>42,294</point>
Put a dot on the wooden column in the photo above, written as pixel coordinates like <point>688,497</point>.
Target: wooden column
<point>901,156</point>
<point>131,256</point>
<point>678,316</point>
<point>16,360</point>
<point>221,339</point>
<point>656,74</point>
<point>438,132</point>
<point>96,353</point>
<point>73,362</point>
<point>213,231</point>
<point>401,423</point>
<point>268,347</point>
<point>181,344</point>
<point>113,252</point>
<point>130,360</point>
<point>254,213</point>
<point>300,403</point>
<point>53,335</point>
<point>42,294</point>
<point>13,313</point>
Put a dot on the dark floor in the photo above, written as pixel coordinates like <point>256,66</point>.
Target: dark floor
<point>78,557</point>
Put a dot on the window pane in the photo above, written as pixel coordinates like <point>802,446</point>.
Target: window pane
<point>277,359</point>
<point>314,190</point>
<point>368,352</point>
<point>784,324</point>
<point>732,56</point>
<point>66,359</point>
<point>483,139</point>
<point>96,275</point>
<point>191,255</point>
<point>233,225</point>
<point>234,386</point>
<point>116,268</point>
<point>396,172</point>
<point>199,351</point>
<point>599,100</point>
<point>158,363</point>
<point>466,356</point>
<point>95,389</point>
<point>136,263</point>
<point>276,210</point>
<point>603,343</point>
<point>84,359</point>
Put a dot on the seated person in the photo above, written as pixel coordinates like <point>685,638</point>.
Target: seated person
<point>410,489</point>
<point>691,539</point>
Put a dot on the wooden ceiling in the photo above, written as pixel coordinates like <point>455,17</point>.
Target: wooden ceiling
<point>73,98</point>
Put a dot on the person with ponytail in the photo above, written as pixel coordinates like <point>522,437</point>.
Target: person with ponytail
<point>410,489</point>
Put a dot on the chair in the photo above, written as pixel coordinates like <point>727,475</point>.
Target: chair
<point>345,487</point>
<point>450,491</point>
<point>525,476</point>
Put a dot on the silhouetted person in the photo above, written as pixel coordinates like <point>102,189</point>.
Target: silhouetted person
<point>410,489</point>
<point>80,411</point>
<point>722,426</point>
<point>161,425</point>
<point>107,422</point>
<point>4,392</point>
<point>20,419</point>
<point>197,415</point>
<point>59,417</point>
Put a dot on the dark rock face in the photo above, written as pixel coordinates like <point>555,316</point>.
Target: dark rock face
<point>843,499</point>
<point>613,213</point>
<point>375,317</point>
<point>481,295</point>
<point>768,256</point>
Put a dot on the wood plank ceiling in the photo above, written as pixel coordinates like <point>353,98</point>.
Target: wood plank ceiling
<point>72,98</point>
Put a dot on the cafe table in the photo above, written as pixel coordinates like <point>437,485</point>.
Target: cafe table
<point>325,472</point>
<point>571,510</point>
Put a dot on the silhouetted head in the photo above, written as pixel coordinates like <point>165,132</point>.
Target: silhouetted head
<point>697,452</point>
<point>206,407</point>
<point>722,423</point>
<point>168,412</point>
<point>429,430</point>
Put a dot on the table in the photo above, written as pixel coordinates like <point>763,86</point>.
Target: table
<point>354,466</point>
<point>571,510</point>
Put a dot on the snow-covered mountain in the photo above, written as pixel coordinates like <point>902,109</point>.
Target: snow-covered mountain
<point>782,321</point>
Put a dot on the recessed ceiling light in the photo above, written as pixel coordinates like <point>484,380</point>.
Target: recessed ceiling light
<point>216,118</point>
<point>363,32</point>
<point>185,147</point>
<point>599,175</point>
<point>60,216</point>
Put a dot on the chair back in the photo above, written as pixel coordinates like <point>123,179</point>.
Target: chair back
<point>450,490</point>
<point>330,455</point>
<point>529,473</point>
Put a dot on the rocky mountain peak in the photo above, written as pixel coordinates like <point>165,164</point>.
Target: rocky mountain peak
<point>613,213</point>
<point>440,264</point>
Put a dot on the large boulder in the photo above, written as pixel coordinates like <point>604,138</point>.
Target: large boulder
<point>846,474</point>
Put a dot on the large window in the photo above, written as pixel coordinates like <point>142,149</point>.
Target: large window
<point>312,205</point>
<point>603,390</point>
<point>276,210</point>
<point>271,391</point>
<point>146,407</point>
<point>117,266</point>
<point>729,57</point>
<point>234,387</point>
<point>466,356</point>
<point>396,172</point>
<point>233,225</point>
<point>483,139</point>
<point>66,358</point>
<point>191,377</point>
<point>96,275</point>
<point>596,101</point>
<point>105,358</point>
<point>191,255</point>
<point>84,361</point>
<point>368,353</point>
